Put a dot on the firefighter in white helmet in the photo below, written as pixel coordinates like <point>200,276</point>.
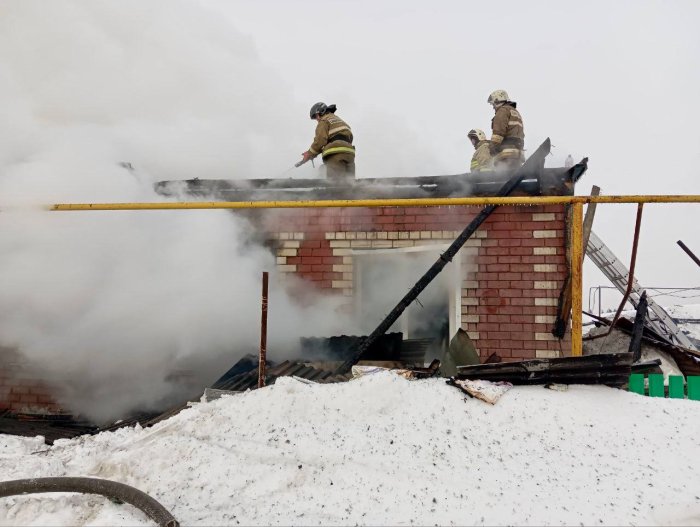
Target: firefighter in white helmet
<point>482,161</point>
<point>507,131</point>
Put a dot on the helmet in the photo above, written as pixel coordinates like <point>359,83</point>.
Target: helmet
<point>477,134</point>
<point>318,108</point>
<point>498,96</point>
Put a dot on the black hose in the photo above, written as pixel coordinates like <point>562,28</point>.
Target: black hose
<point>104,487</point>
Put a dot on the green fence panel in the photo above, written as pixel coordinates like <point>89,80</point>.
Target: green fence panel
<point>656,385</point>
<point>636,384</point>
<point>694,388</point>
<point>676,387</point>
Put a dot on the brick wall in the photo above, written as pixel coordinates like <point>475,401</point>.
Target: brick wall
<point>21,389</point>
<point>511,274</point>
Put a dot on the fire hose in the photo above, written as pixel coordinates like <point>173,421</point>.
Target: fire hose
<point>104,487</point>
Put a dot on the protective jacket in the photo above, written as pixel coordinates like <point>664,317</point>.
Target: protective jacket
<point>482,160</point>
<point>333,136</point>
<point>508,133</point>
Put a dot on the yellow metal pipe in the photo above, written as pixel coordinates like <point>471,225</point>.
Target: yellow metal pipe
<point>411,202</point>
<point>577,280</point>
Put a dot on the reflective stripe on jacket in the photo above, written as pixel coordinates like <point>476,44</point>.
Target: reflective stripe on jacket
<point>507,128</point>
<point>333,136</point>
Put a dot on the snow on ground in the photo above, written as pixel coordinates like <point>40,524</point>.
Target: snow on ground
<point>385,450</point>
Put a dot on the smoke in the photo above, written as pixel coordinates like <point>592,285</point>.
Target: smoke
<point>111,305</point>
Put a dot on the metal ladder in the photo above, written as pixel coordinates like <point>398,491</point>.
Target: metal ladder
<point>657,319</point>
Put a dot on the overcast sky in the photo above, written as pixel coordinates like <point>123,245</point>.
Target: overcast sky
<point>614,81</point>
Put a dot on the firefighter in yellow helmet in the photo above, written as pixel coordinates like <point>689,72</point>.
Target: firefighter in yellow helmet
<point>482,161</point>
<point>333,140</point>
<point>507,131</point>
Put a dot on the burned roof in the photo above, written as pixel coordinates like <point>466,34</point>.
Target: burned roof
<point>548,181</point>
<point>323,356</point>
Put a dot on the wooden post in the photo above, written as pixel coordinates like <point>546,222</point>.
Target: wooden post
<point>588,219</point>
<point>263,333</point>
<point>638,328</point>
<point>576,280</point>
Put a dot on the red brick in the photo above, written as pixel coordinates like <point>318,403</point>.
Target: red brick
<point>512,327</point>
<point>537,276</point>
<point>325,251</point>
<point>511,309</point>
<point>535,310</point>
<point>494,301</point>
<point>492,319</point>
<point>520,217</point>
<point>511,293</point>
<point>523,251</point>
<point>510,276</point>
<point>509,242</point>
<point>525,236</point>
<point>496,334</point>
<point>311,244</point>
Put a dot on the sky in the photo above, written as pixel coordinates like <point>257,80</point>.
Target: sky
<point>222,89</point>
<point>611,81</point>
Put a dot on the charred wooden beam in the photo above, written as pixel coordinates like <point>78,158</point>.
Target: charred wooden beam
<point>638,328</point>
<point>688,252</point>
<point>609,369</point>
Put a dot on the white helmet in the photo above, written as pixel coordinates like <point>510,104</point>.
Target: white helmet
<point>477,134</point>
<point>498,96</point>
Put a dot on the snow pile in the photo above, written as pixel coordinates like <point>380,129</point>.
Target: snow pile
<point>384,450</point>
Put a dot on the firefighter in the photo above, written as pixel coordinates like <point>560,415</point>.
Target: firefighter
<point>507,132</point>
<point>333,140</point>
<point>481,160</point>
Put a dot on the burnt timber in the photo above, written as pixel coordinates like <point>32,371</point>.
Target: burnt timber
<point>546,182</point>
<point>612,369</point>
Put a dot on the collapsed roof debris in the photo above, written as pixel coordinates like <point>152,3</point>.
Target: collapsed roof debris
<point>548,181</point>
<point>610,369</point>
<point>673,358</point>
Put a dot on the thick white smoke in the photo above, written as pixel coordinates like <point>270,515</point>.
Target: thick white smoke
<point>110,304</point>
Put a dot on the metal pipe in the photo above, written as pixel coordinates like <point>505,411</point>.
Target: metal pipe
<point>630,276</point>
<point>409,202</point>
<point>576,280</point>
<point>262,359</point>
<point>104,487</point>
<point>688,252</point>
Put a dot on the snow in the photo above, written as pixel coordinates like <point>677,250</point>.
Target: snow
<point>385,450</point>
